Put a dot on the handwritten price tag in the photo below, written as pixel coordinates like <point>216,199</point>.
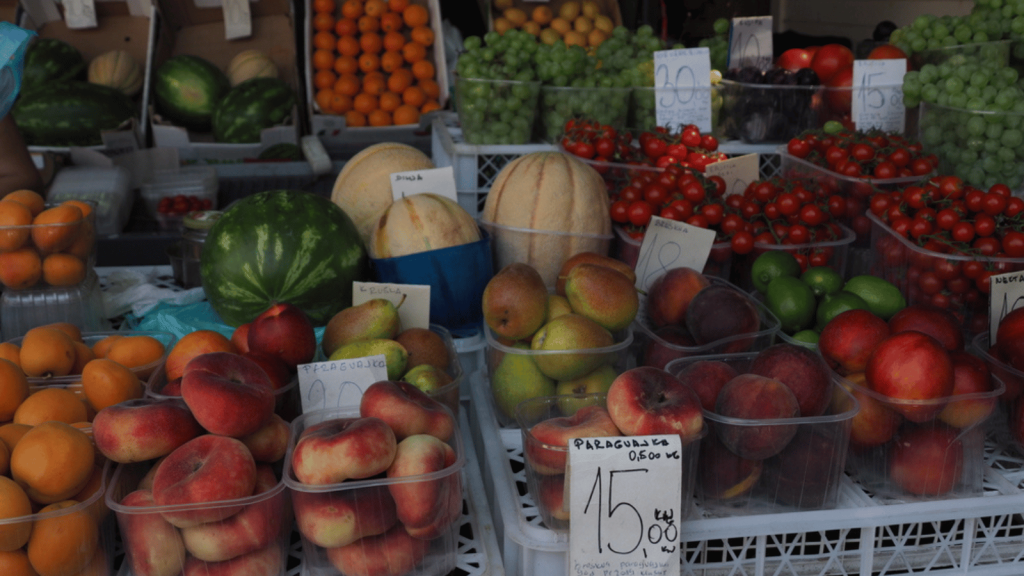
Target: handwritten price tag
<point>877,99</point>
<point>440,181</point>
<point>670,244</point>
<point>339,383</point>
<point>414,311</point>
<point>79,14</point>
<point>682,80</point>
<point>750,42</point>
<point>1006,295</point>
<point>737,172</point>
<point>624,505</point>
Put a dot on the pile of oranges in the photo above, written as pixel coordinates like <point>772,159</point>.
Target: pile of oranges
<point>371,64</point>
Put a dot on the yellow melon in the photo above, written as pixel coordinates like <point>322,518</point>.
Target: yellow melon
<point>420,223</point>
<point>117,69</point>
<point>250,64</point>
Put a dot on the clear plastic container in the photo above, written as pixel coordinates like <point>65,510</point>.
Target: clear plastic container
<point>996,51</point>
<point>759,113</point>
<point>545,250</point>
<point>90,339</point>
<point>719,262</point>
<point>81,305</point>
<point>433,556</point>
<point>643,107</point>
<point>558,104</point>
<point>618,174</point>
<point>58,254</point>
<point>109,189</point>
<point>832,253</point>
<point>496,111</point>
<point>198,181</point>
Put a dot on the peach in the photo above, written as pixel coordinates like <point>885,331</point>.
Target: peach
<point>191,345</point>
<point>407,409</point>
<point>209,468</point>
<point>552,497</point>
<point>722,474</point>
<point>393,553</point>
<point>802,370</point>
<point>707,377</point>
<point>343,448</point>
<point>875,423</point>
<point>927,460</point>
<point>669,296</point>
<point>263,562</point>
<point>587,422</point>
<point>338,518</point>
<point>428,507</point>
<point>240,337</point>
<point>914,366</point>
<point>648,400</point>
<point>147,480</point>
<point>143,429</point>
<point>764,401</point>
<point>153,546</point>
<point>283,330</point>
<point>279,373</point>
<point>227,393</point>
<point>269,443</point>
<point>970,376</point>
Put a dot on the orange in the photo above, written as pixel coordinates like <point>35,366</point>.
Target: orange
<point>379,117</point>
<point>323,59</point>
<point>400,80</point>
<point>15,563</point>
<point>348,46</point>
<point>340,103</point>
<point>371,42</point>
<point>422,34</point>
<point>364,103</point>
<point>561,25</point>
<point>14,503</point>
<point>191,345</point>
<point>324,6</point>
<point>324,40</point>
<point>64,269</point>
<point>15,219</point>
<point>11,433</point>
<point>56,228</point>
<point>13,389</point>
<point>414,96</point>
<point>323,22</point>
<point>369,62</point>
<point>323,99</point>
<point>389,101</point>
<point>391,22</point>
<point>85,207</point>
<point>324,79</point>
<point>407,114</point>
<point>430,106</point>
<point>415,15</point>
<point>73,332</point>
<point>430,87</point>
<point>423,69</point>
<point>5,459</point>
<point>393,41</point>
<point>98,509</point>
<point>391,61</point>
<point>85,242</point>
<point>346,65</point>
<point>63,544</point>
<point>21,268</point>
<point>542,15</point>
<point>136,351</point>
<point>83,354</point>
<point>374,83</point>
<point>352,9</point>
<point>414,52</point>
<point>102,346</point>
<point>397,5</point>
<point>368,24</point>
<point>33,200</point>
<point>51,404</point>
<point>375,8</point>
<point>346,27</point>
<point>106,383</point>
<point>355,119</point>
<point>46,352</point>
<point>348,84</point>
<point>52,461</point>
<point>12,352</point>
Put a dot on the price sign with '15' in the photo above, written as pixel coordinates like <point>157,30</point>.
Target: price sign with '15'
<point>625,505</point>
<point>877,99</point>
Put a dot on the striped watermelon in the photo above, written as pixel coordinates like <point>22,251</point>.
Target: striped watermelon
<point>50,60</point>
<point>250,107</point>
<point>282,246</point>
<point>70,113</point>
<point>186,90</point>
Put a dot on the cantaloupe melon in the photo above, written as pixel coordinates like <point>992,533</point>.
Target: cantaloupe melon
<point>118,70</point>
<point>250,64</point>
<point>420,223</point>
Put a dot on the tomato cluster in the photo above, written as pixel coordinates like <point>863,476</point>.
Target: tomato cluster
<point>873,154</point>
<point>961,236</point>
<point>660,147</point>
<point>182,204</point>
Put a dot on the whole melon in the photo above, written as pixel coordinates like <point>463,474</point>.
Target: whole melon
<point>282,246</point>
<point>249,64</point>
<point>544,207</point>
<point>117,69</point>
<point>420,223</point>
<point>363,187</point>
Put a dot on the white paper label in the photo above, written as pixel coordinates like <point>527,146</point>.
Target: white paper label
<point>237,19</point>
<point>80,14</point>
<point>624,505</point>
<point>414,311</point>
<point>670,244</point>
<point>877,96</point>
<point>1006,294</point>
<point>339,383</point>
<point>682,80</point>
<point>750,42</point>
<point>440,181</point>
<point>737,172</point>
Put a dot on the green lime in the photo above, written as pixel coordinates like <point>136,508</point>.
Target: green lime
<point>792,302</point>
<point>832,127</point>
<point>807,336</point>
<point>822,280</point>
<point>771,265</point>
<point>883,297</point>
<point>835,304</point>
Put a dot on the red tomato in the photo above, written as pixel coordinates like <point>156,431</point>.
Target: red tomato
<point>794,59</point>
<point>830,59</point>
<point>839,100</point>
<point>888,52</point>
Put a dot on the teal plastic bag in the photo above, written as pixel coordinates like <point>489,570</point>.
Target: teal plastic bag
<point>183,319</point>
<point>13,43</point>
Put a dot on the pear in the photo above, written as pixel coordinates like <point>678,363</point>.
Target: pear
<point>558,305</point>
<point>394,353</point>
<point>427,378</point>
<point>597,381</point>
<point>591,258</point>
<point>518,378</point>
<point>425,347</point>
<point>376,318</point>
<point>515,301</point>
<point>575,333</point>
<point>602,294</point>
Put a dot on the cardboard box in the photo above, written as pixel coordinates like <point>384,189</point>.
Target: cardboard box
<point>330,128</point>
<point>9,11</point>
<point>128,25</point>
<point>199,28</point>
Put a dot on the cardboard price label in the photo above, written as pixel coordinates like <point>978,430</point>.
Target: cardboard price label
<point>339,383</point>
<point>1006,294</point>
<point>737,172</point>
<point>750,42</point>
<point>79,14</point>
<point>670,244</point>
<point>237,19</point>
<point>440,181</point>
<point>682,80</point>
<point>624,504</point>
<point>877,94</point>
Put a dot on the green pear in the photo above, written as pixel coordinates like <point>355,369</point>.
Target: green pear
<point>596,382</point>
<point>427,378</point>
<point>394,354</point>
<point>576,333</point>
<point>376,318</point>
<point>602,294</point>
<point>515,379</point>
<point>557,306</point>
<point>515,301</point>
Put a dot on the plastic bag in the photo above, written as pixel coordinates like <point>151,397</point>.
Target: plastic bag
<point>13,43</point>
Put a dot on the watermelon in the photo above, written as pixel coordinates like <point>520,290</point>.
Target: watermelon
<point>282,246</point>
<point>51,60</point>
<point>70,113</point>
<point>187,88</point>
<point>250,107</point>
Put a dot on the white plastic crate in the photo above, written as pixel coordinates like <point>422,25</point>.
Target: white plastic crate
<point>864,536</point>
<point>770,162</point>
